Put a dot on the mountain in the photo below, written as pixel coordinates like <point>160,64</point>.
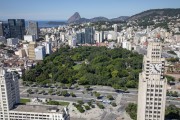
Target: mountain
<point>96,19</point>
<point>156,12</point>
<point>75,17</point>
<point>121,18</point>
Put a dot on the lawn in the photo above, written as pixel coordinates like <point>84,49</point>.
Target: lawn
<point>24,101</point>
<point>64,103</point>
<point>77,67</point>
<point>58,103</point>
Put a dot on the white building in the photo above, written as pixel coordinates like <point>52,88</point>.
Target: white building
<point>12,41</point>
<point>9,97</point>
<point>48,47</point>
<point>127,45</point>
<point>152,85</point>
<point>30,38</point>
<point>99,37</point>
<point>2,40</point>
<point>40,53</point>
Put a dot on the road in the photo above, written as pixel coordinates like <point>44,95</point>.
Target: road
<point>82,94</point>
<point>143,51</point>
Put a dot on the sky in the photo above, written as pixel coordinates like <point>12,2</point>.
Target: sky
<point>63,9</point>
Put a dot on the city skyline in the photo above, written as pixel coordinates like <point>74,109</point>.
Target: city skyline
<point>62,10</point>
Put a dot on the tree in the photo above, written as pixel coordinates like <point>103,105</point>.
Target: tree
<point>72,94</point>
<point>97,94</point>
<point>131,109</point>
<point>36,91</point>
<point>110,97</point>
<point>65,93</point>
<point>80,102</point>
<point>29,91</point>
<point>87,87</point>
<point>172,112</point>
<point>113,104</point>
<point>50,91</point>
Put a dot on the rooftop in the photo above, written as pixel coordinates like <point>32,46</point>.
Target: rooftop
<point>39,108</point>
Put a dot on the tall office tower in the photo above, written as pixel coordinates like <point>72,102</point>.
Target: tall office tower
<point>89,35</point>
<point>33,29</point>
<point>80,38</point>
<point>4,29</point>
<point>152,85</point>
<point>31,50</point>
<point>9,92</point>
<point>16,28</point>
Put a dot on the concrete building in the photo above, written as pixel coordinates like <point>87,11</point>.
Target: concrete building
<point>22,53</point>
<point>9,99</point>
<point>30,38</point>
<point>33,29</point>
<point>99,37</point>
<point>152,85</point>
<point>48,47</point>
<point>127,45</point>
<point>12,41</point>
<point>4,30</point>
<point>115,27</point>
<point>2,40</point>
<point>9,92</point>
<point>40,53</point>
<point>31,50</point>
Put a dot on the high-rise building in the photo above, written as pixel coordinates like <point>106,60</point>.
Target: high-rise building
<point>100,37</point>
<point>152,85</point>
<point>33,29</point>
<point>31,50</point>
<point>40,52</point>
<point>80,38</point>
<point>4,29</point>
<point>11,110</point>
<point>16,28</point>
<point>89,35</point>
<point>9,92</point>
<point>115,27</point>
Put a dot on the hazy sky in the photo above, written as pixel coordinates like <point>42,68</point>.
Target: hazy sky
<point>63,9</point>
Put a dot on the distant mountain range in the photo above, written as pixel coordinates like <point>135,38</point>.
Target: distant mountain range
<point>156,12</point>
<point>76,18</point>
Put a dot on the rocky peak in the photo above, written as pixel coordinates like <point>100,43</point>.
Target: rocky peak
<point>74,17</point>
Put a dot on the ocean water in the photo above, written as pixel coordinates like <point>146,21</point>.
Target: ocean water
<point>44,24</point>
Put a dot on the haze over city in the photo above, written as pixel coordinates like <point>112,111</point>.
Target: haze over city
<point>63,9</point>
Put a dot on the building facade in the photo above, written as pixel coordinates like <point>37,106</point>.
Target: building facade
<point>4,30</point>
<point>16,28</point>
<point>89,36</point>
<point>152,85</point>
<point>31,50</point>
<point>9,92</point>
<point>11,110</point>
<point>40,53</point>
<point>33,29</point>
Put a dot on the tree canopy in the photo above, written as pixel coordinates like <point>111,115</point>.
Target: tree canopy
<point>88,66</point>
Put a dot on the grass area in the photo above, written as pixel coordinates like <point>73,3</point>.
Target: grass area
<point>58,103</point>
<point>64,103</point>
<point>24,101</point>
<point>77,67</point>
